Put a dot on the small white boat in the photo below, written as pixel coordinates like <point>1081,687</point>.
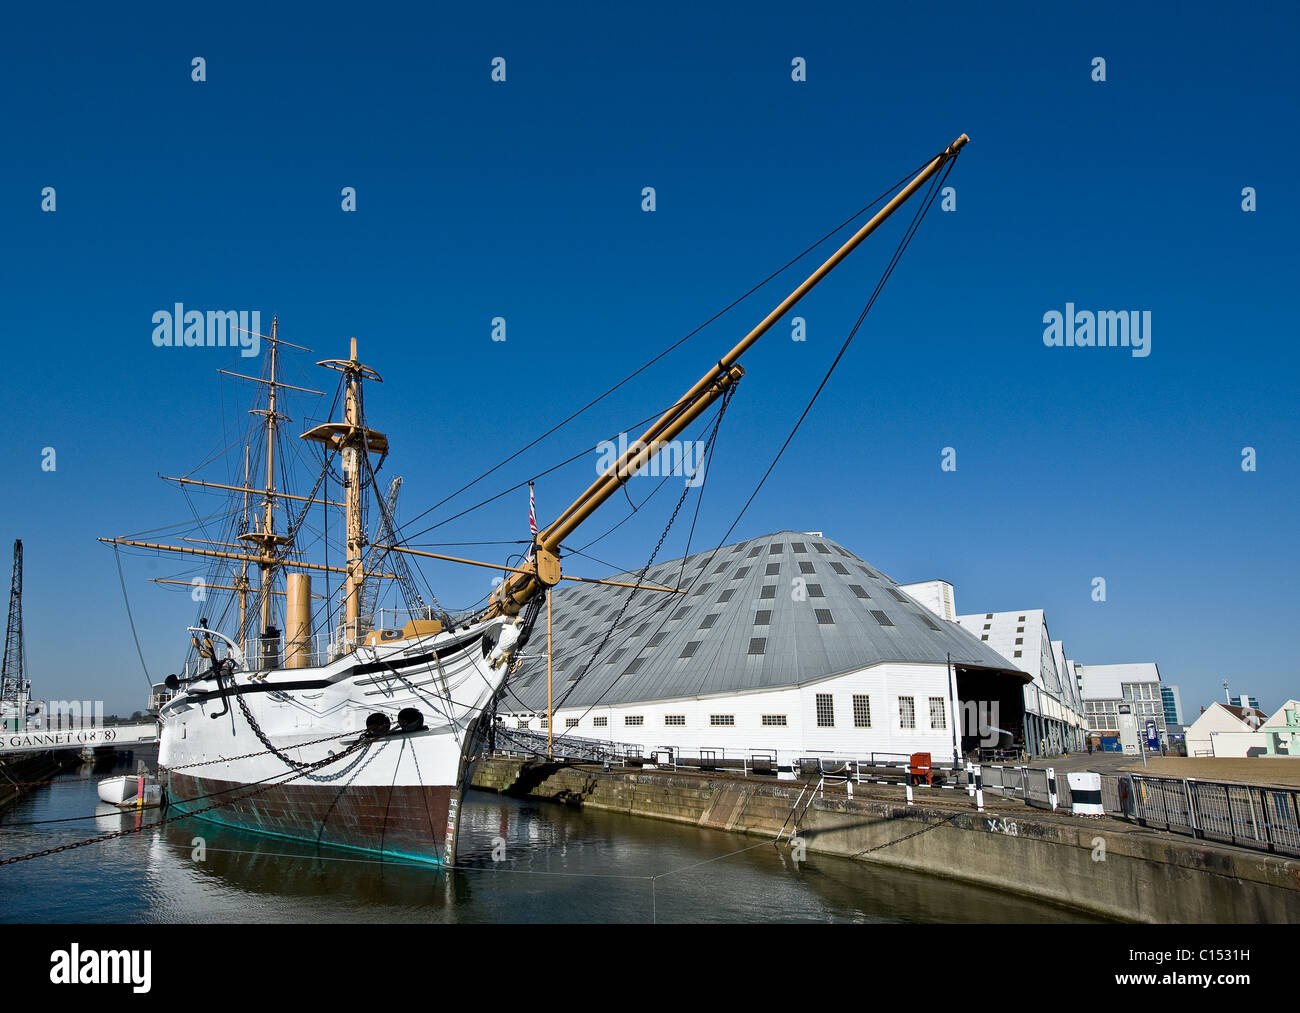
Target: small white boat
<point>125,791</point>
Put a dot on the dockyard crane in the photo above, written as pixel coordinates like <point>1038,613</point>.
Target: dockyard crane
<point>14,687</point>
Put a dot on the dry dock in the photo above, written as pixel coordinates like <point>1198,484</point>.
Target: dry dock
<point>1099,865</point>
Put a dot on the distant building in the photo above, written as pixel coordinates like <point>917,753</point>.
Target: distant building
<point>1112,690</point>
<point>1282,730</point>
<point>1245,700</point>
<point>1225,730</point>
<point>1173,705</point>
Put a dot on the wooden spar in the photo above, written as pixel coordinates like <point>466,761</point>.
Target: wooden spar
<point>509,569</point>
<point>258,379</point>
<point>260,560</point>
<point>518,589</point>
<point>240,488</point>
<point>215,587</point>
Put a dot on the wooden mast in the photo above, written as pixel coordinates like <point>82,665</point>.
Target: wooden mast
<point>243,566</point>
<point>352,438</point>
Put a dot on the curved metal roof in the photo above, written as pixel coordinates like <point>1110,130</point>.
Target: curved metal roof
<point>744,623</point>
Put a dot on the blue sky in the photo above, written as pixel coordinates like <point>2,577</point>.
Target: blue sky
<point>522,200</point>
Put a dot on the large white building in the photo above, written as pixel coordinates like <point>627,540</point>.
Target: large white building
<point>790,643</point>
<point>786,643</point>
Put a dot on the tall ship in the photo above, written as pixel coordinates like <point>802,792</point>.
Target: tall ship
<point>319,717</point>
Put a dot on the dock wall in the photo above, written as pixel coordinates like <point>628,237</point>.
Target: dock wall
<point>1101,866</point>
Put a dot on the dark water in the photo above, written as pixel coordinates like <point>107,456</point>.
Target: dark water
<point>560,865</point>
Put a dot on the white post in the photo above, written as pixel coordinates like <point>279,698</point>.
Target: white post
<point>848,777</point>
<point>970,779</point>
<point>979,789</point>
<point>908,779</point>
<point>1051,787</point>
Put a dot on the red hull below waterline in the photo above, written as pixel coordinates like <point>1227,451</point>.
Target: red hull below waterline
<point>401,821</point>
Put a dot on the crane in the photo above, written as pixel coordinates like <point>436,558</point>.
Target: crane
<point>14,688</point>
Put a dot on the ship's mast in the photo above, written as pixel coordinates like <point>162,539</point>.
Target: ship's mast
<point>242,582</point>
<point>268,543</point>
<point>351,438</point>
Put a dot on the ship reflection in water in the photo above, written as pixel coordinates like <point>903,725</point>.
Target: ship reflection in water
<point>519,861</point>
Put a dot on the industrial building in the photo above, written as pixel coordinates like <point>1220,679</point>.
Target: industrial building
<point>1112,690</point>
<point>1054,712</point>
<point>786,643</point>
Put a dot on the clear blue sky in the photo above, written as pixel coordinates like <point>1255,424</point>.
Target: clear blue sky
<point>523,200</point>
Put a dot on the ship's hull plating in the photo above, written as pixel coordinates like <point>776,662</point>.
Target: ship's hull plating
<point>397,794</point>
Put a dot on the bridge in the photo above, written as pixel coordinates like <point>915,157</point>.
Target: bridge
<point>563,747</point>
<point>104,737</point>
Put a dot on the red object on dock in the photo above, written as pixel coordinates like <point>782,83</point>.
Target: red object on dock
<point>920,769</point>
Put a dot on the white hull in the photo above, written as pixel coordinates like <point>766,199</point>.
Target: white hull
<point>396,794</point>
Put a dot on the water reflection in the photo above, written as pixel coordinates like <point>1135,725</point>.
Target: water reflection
<point>520,861</point>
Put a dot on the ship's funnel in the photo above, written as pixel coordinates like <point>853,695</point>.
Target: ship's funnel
<point>297,637</point>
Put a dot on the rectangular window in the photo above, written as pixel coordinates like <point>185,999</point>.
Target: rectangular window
<point>824,617</point>
<point>860,591</point>
<point>758,645</point>
<point>754,551</point>
<point>674,719</point>
<point>815,591</point>
<point>938,713</point>
<point>773,569</point>
<point>927,620</point>
<point>726,596</point>
<point>633,719</point>
<point>1020,640</point>
<point>825,711</point>
<point>763,617</point>
<point>600,722</point>
<point>615,656</point>
<point>545,721</point>
<point>821,548</point>
<point>722,719</point>
<point>774,720</point>
<point>881,617</point>
<point>806,567</point>
<point>775,549</point>
<point>898,594</point>
<point>701,589</point>
<point>798,547</point>
<point>768,592</point>
<point>742,572</point>
<point>861,710</point>
<point>570,722</point>
<point>634,667</point>
<point>906,712</point>
<point>657,639</point>
<point>681,611</point>
<point>708,622</point>
<point>689,650</point>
